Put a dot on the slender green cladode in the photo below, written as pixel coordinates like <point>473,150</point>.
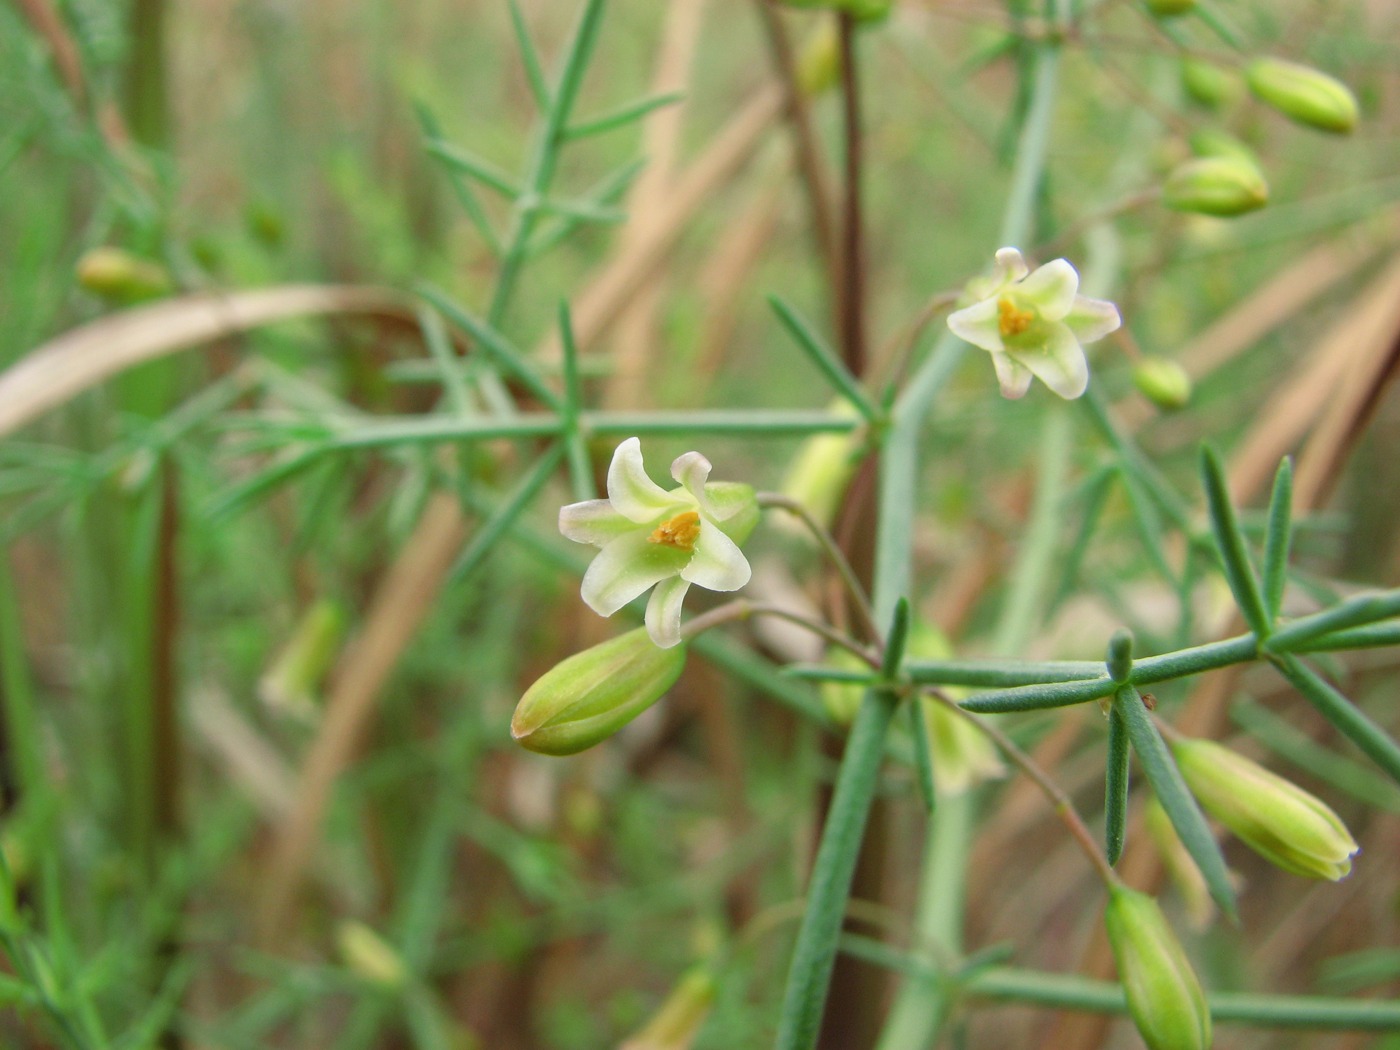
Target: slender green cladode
<point>1342,713</point>
<point>831,366</point>
<point>1175,797</point>
<point>1115,807</point>
<point>1278,538</point>
<point>1229,540</point>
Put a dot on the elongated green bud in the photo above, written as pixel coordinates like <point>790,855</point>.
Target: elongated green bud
<point>1276,818</point>
<point>1180,865</point>
<point>1209,85</point>
<point>678,1020</point>
<point>842,699</point>
<point>1163,382</point>
<point>1212,142</point>
<point>291,682</point>
<point>1218,186</point>
<point>118,275</point>
<point>1303,94</point>
<point>820,472</point>
<point>1169,8</point>
<point>819,64</point>
<point>369,956</point>
<point>1164,996</point>
<point>591,695</point>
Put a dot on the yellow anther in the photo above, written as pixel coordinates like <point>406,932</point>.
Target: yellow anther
<point>680,532</point>
<point>1011,320</point>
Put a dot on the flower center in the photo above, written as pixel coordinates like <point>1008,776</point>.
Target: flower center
<point>680,532</point>
<point>1011,319</point>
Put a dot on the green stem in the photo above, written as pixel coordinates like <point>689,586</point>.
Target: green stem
<point>1010,984</point>
<point>817,939</point>
<point>544,157</point>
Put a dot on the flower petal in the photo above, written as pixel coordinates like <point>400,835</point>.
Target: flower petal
<point>692,470</point>
<point>625,568</point>
<point>717,562</point>
<point>1015,379</point>
<point>1092,319</point>
<point>1060,364</point>
<point>664,612</point>
<point>1051,289</point>
<point>593,521</point>
<point>632,494</point>
<point>1011,266</point>
<point>978,324</point>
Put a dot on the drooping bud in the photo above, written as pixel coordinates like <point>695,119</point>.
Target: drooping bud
<point>1163,382</point>
<point>290,682</point>
<point>1182,869</point>
<point>1303,94</point>
<point>1215,186</point>
<point>819,64</point>
<point>1164,996</point>
<point>1280,821</point>
<point>868,10</point>
<point>120,276</point>
<point>1212,142</point>
<point>820,472</point>
<point>369,956</point>
<point>842,699</point>
<point>591,695</point>
<point>1169,8</point>
<point>678,1020</point>
<point>1209,85</point>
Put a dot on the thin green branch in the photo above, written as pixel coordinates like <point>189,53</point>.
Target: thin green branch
<point>1070,991</point>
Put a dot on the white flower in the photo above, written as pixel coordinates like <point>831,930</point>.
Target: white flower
<point>648,535</point>
<point>1033,324</point>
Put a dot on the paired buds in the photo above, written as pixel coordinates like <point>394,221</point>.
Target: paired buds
<point>588,697</point>
<point>1280,821</point>
<point>1217,185</point>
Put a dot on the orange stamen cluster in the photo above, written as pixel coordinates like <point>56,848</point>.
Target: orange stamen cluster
<point>680,532</point>
<point>1012,320</point>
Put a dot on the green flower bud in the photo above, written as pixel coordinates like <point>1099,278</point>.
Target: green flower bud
<point>1303,94</point>
<point>591,695</point>
<point>1163,382</point>
<point>868,10</point>
<point>841,699</point>
<point>120,276</point>
<point>1211,142</point>
<point>1180,865</point>
<point>290,683</point>
<point>820,472</point>
<point>1215,186</point>
<point>1280,821</point>
<point>1163,994</point>
<point>819,64</point>
<point>676,1022</point>
<point>1169,8</point>
<point>1209,85</point>
<point>369,956</point>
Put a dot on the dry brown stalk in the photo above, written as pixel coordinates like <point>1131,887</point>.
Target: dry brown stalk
<point>79,359</point>
<point>635,341</point>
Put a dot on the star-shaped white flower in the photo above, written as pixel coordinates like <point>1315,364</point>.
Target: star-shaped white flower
<point>1033,324</point>
<point>648,535</point>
